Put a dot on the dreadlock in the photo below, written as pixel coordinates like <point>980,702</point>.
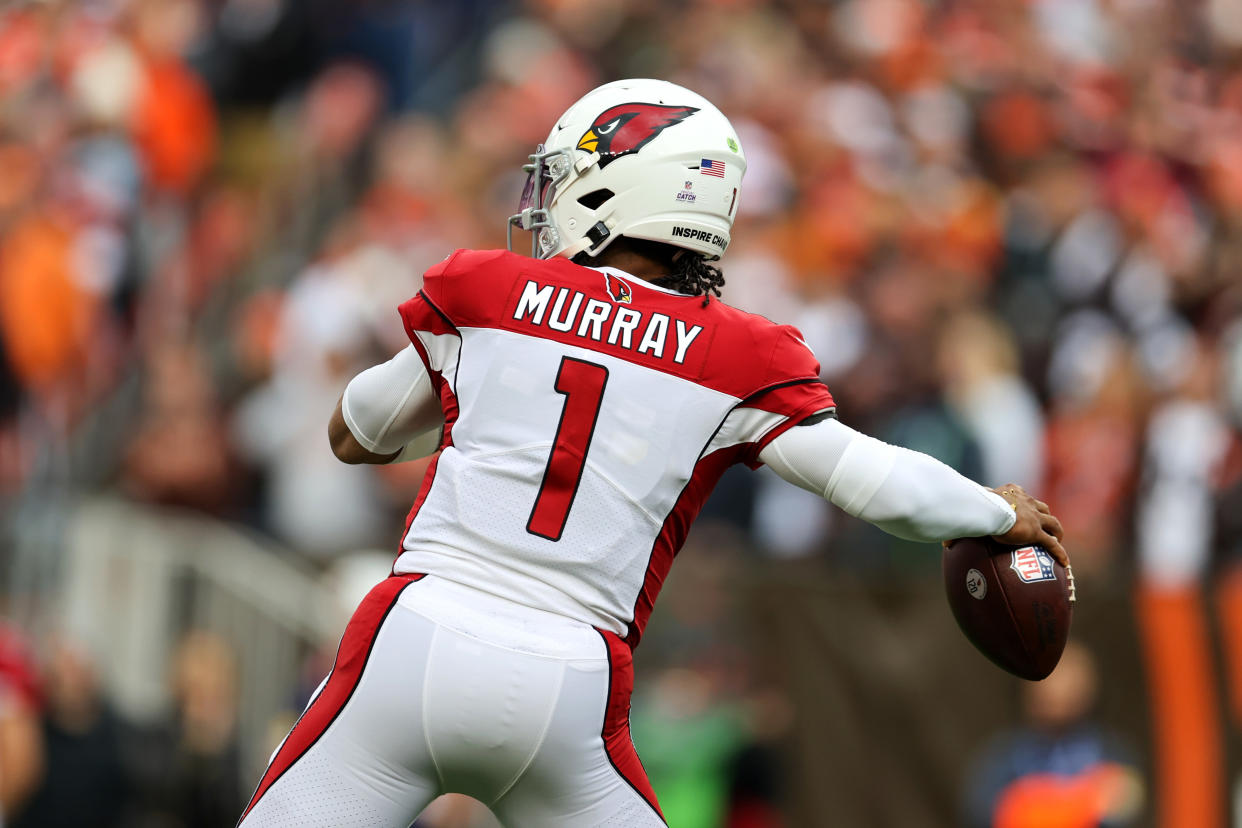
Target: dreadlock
<point>689,272</point>
<point>693,275</point>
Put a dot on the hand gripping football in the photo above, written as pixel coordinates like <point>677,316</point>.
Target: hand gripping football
<point>1014,603</point>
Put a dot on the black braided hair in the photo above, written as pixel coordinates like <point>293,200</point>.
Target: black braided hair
<point>689,272</point>
<point>693,274</point>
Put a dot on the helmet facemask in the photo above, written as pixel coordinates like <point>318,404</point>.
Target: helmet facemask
<point>547,171</point>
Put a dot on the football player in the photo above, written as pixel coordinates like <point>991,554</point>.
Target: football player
<point>584,399</point>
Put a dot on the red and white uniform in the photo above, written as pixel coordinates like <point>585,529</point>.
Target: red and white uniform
<point>589,415</point>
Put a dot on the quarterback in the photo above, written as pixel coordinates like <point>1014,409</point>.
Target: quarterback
<point>584,400</point>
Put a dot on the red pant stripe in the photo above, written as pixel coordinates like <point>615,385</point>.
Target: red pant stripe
<point>351,660</point>
<point>616,732</point>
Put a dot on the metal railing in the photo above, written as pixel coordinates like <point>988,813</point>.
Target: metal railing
<point>130,580</point>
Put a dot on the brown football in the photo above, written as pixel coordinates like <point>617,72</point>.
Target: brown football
<point>1014,603</point>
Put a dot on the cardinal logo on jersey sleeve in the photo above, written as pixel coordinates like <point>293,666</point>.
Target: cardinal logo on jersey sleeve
<point>627,128</point>
<point>618,290</point>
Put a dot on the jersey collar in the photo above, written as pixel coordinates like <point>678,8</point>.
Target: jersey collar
<point>621,274</point>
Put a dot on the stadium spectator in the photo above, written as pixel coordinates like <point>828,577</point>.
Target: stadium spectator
<point>86,780</point>
<point>23,760</point>
<point>189,772</point>
<point>1059,768</point>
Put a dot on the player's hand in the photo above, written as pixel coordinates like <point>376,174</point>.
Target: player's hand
<point>1035,526</point>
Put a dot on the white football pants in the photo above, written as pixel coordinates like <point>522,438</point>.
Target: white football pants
<point>440,688</point>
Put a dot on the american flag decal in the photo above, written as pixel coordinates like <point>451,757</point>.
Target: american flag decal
<point>709,167</point>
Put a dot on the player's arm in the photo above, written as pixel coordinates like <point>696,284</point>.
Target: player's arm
<point>904,492</point>
<point>388,413</point>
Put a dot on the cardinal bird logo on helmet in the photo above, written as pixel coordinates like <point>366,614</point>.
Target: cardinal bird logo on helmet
<point>627,128</point>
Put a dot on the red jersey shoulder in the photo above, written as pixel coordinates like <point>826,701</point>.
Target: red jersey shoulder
<point>466,278</point>
<point>784,381</point>
<point>791,354</point>
<point>767,352</point>
<point>473,287</point>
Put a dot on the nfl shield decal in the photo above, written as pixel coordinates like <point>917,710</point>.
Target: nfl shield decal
<point>1032,564</point>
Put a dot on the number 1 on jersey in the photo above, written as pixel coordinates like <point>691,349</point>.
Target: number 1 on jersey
<point>582,383</point>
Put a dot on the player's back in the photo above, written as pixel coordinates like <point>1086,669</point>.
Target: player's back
<point>588,416</point>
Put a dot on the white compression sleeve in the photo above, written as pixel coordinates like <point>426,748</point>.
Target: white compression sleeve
<point>905,493</point>
<point>392,405</point>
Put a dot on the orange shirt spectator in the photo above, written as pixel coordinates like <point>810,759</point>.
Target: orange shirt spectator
<point>44,314</point>
<point>174,124</point>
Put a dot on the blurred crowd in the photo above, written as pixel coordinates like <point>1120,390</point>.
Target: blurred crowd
<point>1010,229</point>
<point>69,759</point>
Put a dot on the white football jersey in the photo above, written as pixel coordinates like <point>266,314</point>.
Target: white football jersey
<point>588,415</point>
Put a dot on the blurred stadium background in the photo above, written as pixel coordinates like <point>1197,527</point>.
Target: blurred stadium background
<point>1011,229</point>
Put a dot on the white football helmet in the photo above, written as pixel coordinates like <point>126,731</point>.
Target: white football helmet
<point>646,159</point>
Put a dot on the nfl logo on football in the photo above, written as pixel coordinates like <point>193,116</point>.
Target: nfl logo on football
<point>1032,564</point>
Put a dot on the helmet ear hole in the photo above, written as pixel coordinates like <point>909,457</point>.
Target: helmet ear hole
<point>595,198</point>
